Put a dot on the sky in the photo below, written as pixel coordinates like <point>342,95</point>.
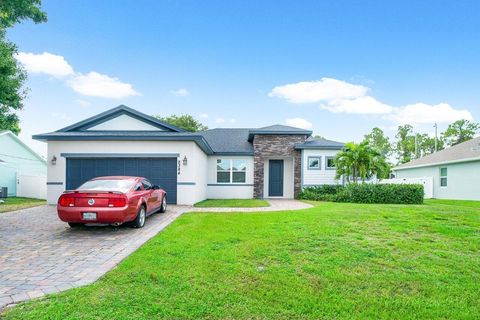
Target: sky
<point>337,67</point>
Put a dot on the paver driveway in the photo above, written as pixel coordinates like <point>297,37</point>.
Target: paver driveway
<point>39,254</point>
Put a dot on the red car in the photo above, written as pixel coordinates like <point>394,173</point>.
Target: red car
<point>112,200</point>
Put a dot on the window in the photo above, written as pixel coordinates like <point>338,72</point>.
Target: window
<point>330,163</point>
<point>231,171</point>
<point>147,185</point>
<point>443,177</point>
<point>314,163</point>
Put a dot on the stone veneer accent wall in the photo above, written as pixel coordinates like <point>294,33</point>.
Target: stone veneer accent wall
<point>268,146</point>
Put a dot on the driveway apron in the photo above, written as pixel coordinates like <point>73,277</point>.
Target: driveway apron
<point>39,254</point>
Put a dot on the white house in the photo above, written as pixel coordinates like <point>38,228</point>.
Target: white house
<point>274,161</point>
<point>455,171</point>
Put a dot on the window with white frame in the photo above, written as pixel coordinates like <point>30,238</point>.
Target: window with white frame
<point>330,163</point>
<point>231,171</point>
<point>314,163</point>
<point>443,177</point>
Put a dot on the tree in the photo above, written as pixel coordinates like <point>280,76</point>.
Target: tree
<point>460,131</point>
<point>405,145</point>
<point>377,140</point>
<point>360,161</point>
<point>184,121</point>
<point>426,145</point>
<point>12,76</point>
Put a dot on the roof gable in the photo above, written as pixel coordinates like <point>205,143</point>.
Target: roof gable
<point>114,119</point>
<point>465,151</point>
<point>278,129</point>
<point>20,143</point>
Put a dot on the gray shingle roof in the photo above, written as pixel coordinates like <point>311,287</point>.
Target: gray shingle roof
<point>229,140</point>
<point>461,152</point>
<point>320,143</point>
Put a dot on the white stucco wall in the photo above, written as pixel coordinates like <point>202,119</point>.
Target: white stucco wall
<point>287,177</point>
<point>229,191</point>
<point>318,177</point>
<point>463,180</point>
<point>124,122</point>
<point>193,174</point>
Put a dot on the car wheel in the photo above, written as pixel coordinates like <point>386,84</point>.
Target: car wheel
<point>163,208</point>
<point>139,221</point>
<point>75,224</point>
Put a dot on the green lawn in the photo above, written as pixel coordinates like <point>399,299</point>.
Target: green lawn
<point>17,203</point>
<point>231,203</point>
<point>333,261</point>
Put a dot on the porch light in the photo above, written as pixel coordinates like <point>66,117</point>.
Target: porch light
<point>54,160</point>
<point>185,161</point>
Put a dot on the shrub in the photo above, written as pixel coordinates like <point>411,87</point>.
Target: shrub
<point>324,192</point>
<point>366,193</point>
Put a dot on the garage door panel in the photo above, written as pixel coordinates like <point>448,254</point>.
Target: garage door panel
<point>160,171</point>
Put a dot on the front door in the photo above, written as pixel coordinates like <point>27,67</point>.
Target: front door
<point>275,178</point>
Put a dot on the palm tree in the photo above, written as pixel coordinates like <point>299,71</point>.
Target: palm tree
<point>360,161</point>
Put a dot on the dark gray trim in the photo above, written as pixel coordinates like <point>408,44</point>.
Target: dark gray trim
<point>120,155</point>
<point>186,183</point>
<point>230,184</point>
<point>326,163</point>
<point>300,147</point>
<point>199,140</point>
<point>115,112</point>
<point>54,183</point>
<point>253,133</point>
<point>319,164</point>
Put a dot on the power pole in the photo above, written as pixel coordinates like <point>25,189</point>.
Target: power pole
<point>436,134</point>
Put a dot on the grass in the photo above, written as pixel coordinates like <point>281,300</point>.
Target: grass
<point>231,203</point>
<point>17,203</point>
<point>333,261</point>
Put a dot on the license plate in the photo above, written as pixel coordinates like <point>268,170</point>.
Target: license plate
<point>89,215</point>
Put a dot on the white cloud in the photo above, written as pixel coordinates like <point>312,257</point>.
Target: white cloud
<point>339,96</point>
<point>233,120</point>
<point>299,123</point>
<point>61,115</point>
<point>182,92</point>
<point>360,105</point>
<point>324,89</point>
<point>46,63</point>
<point>421,113</point>
<point>94,84</point>
<point>220,120</point>
<point>203,115</point>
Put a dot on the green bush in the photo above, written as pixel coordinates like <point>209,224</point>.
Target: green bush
<point>366,193</point>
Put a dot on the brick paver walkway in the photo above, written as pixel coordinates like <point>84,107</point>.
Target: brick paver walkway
<point>39,254</point>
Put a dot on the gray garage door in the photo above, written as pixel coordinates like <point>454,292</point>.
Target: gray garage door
<point>160,171</point>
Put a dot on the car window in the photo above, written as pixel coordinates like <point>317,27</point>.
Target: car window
<point>138,187</point>
<point>147,185</point>
<point>107,185</point>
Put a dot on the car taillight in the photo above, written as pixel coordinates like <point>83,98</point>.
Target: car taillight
<point>116,202</point>
<point>67,201</point>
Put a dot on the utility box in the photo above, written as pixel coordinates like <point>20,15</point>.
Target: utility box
<point>3,192</point>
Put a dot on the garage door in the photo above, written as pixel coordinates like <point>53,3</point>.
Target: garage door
<point>160,171</point>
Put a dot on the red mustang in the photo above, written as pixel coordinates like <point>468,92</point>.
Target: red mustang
<point>112,200</point>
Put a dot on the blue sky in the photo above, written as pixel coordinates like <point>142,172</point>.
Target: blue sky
<point>339,67</point>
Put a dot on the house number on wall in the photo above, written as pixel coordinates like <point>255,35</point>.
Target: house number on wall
<point>178,166</point>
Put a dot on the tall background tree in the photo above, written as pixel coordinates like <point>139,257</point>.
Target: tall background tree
<point>405,145</point>
<point>184,121</point>
<point>12,76</point>
<point>460,131</point>
<point>377,140</point>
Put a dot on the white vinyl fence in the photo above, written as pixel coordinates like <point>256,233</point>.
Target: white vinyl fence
<point>32,186</point>
<point>427,183</point>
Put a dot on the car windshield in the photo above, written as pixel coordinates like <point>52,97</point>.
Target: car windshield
<point>107,185</point>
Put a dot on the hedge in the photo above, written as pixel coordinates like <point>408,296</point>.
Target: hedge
<point>366,193</point>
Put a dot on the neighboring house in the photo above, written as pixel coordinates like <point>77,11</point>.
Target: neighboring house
<point>455,171</point>
<point>21,167</point>
<point>272,161</point>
